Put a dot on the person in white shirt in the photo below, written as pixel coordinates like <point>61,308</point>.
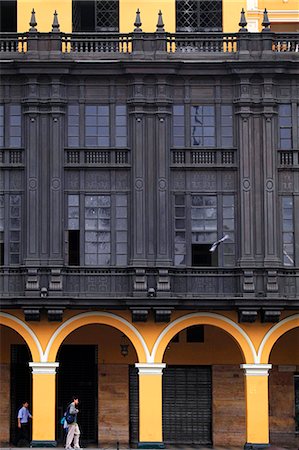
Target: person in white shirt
<point>23,422</point>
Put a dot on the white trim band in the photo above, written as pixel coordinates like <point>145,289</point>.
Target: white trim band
<point>256,370</point>
<point>150,368</point>
<point>44,367</point>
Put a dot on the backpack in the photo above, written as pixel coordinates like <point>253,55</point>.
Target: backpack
<point>70,418</point>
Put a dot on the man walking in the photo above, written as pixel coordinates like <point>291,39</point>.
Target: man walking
<point>23,422</point>
<point>73,428</point>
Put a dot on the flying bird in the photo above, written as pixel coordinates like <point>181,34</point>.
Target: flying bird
<point>215,244</point>
<point>288,256</point>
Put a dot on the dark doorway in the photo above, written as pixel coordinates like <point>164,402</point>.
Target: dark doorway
<point>187,405</point>
<point>20,386</point>
<point>78,375</point>
<point>134,405</point>
<point>201,255</point>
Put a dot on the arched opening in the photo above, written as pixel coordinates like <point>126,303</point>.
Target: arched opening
<point>15,386</point>
<point>284,390</point>
<point>94,363</point>
<point>203,388</point>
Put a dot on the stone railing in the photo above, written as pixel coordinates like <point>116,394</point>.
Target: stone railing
<point>97,158</point>
<point>96,43</point>
<point>202,43</point>
<point>175,283</point>
<point>203,157</point>
<point>172,45</point>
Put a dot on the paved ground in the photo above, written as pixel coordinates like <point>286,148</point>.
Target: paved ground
<point>172,448</point>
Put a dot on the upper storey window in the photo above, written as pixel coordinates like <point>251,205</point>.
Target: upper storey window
<point>285,127</point>
<point>202,126</point>
<point>10,126</point>
<point>198,15</point>
<point>103,126</point>
<point>96,15</point>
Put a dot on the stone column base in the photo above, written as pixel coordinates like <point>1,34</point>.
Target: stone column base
<point>149,445</point>
<point>248,446</point>
<point>43,444</point>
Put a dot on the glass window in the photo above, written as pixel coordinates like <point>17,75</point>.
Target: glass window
<point>288,231</point>
<point>226,126</point>
<point>203,126</point>
<point>14,126</point>
<point>198,15</point>
<point>73,125</point>
<point>121,126</point>
<point>178,126</point>
<point>97,132</point>
<point>228,228</point>
<point>285,127</point>
<point>105,237</point>
<point>180,230</point>
<point>210,219</point>
<point>1,126</point>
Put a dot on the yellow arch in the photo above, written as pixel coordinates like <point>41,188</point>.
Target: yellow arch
<point>101,318</point>
<point>27,334</point>
<point>240,336</point>
<point>274,334</point>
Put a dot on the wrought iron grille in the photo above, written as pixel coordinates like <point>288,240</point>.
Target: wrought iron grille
<point>198,15</point>
<point>107,15</point>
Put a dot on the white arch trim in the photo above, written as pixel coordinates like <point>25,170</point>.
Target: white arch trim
<point>99,314</point>
<point>25,326</point>
<point>271,331</point>
<point>203,314</point>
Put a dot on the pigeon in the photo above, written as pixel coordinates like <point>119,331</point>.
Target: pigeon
<point>288,256</point>
<point>215,244</point>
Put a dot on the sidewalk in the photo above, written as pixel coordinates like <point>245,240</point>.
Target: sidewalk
<point>170,448</point>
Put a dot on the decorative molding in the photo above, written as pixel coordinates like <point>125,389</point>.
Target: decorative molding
<point>247,316</point>
<point>162,314</point>
<point>256,370</point>
<point>139,314</point>
<point>44,368</point>
<point>32,314</point>
<point>150,368</point>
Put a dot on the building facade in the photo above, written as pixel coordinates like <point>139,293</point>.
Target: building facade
<point>124,157</point>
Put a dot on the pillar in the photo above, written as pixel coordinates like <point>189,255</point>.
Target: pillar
<point>150,405</point>
<point>43,403</point>
<point>257,415</point>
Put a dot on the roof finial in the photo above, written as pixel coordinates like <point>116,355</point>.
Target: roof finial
<point>32,22</point>
<point>266,22</point>
<point>138,22</point>
<point>55,24</point>
<point>160,24</point>
<point>243,21</point>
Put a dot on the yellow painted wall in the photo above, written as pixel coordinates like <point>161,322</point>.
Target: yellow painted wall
<point>286,349</point>
<point>149,14</point>
<point>257,420</point>
<point>7,338</point>
<point>44,10</point>
<point>231,10</point>
<point>108,340</point>
<point>218,348</point>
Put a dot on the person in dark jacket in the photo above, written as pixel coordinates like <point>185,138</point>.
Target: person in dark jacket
<point>73,428</point>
